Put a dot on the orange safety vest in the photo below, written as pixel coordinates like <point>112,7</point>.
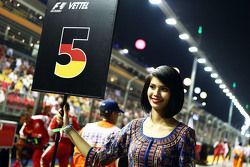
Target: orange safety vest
<point>238,162</point>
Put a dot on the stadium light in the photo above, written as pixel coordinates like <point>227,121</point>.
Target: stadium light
<point>208,68</point>
<point>218,81</point>
<point>202,60</point>
<point>222,86</point>
<point>214,75</point>
<point>184,36</point>
<point>171,21</point>
<point>155,2</point>
<point>225,90</point>
<point>193,49</point>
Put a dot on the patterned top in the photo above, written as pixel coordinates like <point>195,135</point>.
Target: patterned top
<point>175,150</point>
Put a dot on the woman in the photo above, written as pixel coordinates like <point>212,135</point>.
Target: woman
<point>157,140</point>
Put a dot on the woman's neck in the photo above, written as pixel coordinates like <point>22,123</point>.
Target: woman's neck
<point>157,119</point>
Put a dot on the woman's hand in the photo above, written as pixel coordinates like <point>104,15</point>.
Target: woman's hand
<point>62,116</point>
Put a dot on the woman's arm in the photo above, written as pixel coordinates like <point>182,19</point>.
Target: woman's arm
<point>73,135</point>
<point>188,146</point>
<point>77,140</point>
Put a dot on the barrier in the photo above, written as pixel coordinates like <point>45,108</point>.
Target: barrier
<point>7,133</point>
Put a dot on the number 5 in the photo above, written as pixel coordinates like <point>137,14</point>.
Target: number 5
<point>77,56</point>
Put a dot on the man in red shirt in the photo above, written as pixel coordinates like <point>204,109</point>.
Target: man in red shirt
<point>33,135</point>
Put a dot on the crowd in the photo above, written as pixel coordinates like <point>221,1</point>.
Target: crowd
<point>16,76</point>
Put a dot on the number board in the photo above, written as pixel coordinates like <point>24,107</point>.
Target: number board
<point>75,47</point>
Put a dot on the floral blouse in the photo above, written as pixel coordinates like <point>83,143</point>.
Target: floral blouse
<point>175,150</point>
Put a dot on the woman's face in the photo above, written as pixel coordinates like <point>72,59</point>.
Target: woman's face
<point>158,95</point>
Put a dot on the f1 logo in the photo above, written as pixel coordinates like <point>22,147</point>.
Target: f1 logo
<point>58,7</point>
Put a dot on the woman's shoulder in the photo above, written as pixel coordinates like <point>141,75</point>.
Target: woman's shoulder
<point>137,122</point>
<point>185,130</point>
<point>134,124</point>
